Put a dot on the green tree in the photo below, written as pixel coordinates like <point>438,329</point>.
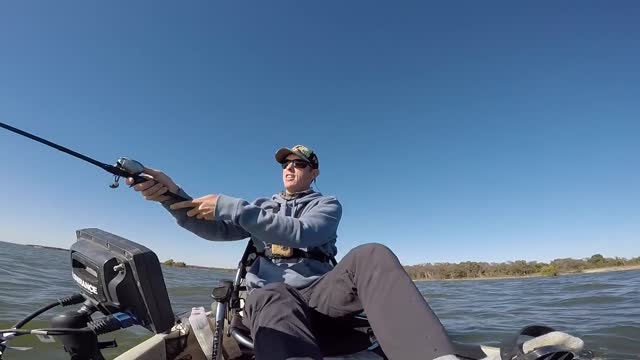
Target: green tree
<point>549,270</point>
<point>597,259</point>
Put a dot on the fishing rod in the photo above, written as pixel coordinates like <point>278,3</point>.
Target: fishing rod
<point>124,167</point>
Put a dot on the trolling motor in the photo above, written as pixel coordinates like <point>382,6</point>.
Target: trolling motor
<point>123,167</point>
<point>119,279</point>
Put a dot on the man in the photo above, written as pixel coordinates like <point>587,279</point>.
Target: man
<point>293,282</point>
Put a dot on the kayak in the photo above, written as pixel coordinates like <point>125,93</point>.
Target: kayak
<point>181,343</point>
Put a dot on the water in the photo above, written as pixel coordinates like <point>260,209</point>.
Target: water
<point>603,309</point>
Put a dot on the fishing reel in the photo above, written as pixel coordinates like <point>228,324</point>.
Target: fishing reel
<point>131,168</point>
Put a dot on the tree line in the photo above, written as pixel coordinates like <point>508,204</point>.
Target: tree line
<point>475,270</point>
<point>181,264</point>
<point>173,263</point>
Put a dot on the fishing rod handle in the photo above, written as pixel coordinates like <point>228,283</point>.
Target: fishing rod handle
<point>137,179</point>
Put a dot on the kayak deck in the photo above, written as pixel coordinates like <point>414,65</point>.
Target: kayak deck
<point>156,348</point>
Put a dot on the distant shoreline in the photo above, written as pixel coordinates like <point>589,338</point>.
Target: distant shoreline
<point>173,264</point>
<point>187,266</point>
<point>585,271</point>
<point>611,269</point>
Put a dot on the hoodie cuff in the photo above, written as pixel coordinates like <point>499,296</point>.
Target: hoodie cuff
<point>227,208</point>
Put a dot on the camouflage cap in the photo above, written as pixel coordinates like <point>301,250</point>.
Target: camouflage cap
<point>300,150</point>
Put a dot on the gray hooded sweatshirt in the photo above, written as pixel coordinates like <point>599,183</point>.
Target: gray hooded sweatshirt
<point>308,222</point>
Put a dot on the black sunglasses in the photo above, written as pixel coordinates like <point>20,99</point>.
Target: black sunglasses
<point>297,163</point>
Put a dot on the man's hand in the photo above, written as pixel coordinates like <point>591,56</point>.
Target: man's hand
<point>157,184</point>
<point>202,207</point>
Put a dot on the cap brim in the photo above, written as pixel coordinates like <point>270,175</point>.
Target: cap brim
<point>282,154</point>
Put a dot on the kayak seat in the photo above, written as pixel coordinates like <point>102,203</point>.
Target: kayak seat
<point>336,337</point>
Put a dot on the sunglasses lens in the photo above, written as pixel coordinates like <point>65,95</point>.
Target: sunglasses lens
<point>300,164</point>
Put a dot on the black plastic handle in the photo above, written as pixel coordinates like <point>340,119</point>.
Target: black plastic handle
<point>137,179</point>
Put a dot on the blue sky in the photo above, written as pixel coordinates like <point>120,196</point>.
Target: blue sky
<point>487,131</point>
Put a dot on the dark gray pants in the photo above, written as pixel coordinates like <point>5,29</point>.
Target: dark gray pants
<point>369,278</point>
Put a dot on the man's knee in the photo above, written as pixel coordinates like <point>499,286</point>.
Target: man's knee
<point>372,255</point>
<point>373,251</point>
